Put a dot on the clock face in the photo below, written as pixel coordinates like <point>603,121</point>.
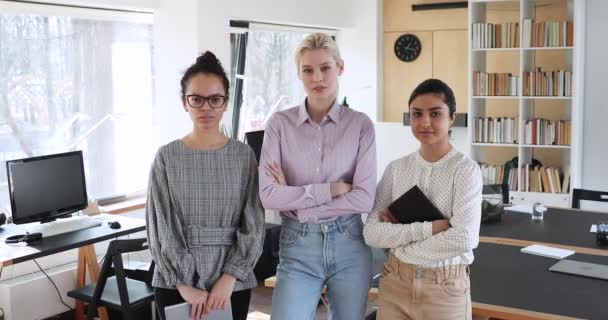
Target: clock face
<point>407,47</point>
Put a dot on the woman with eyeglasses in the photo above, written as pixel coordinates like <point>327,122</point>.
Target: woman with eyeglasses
<point>205,222</point>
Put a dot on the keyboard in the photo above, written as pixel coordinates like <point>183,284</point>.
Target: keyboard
<point>61,226</point>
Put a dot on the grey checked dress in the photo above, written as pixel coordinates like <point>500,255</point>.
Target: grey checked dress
<point>204,215</point>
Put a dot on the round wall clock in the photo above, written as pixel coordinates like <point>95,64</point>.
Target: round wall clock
<point>408,47</point>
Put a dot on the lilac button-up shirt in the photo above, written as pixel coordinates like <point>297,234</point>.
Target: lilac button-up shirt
<point>341,148</point>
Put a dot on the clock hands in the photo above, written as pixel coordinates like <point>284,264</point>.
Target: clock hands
<point>407,47</point>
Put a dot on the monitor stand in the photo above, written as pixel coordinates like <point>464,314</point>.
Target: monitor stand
<point>55,217</point>
<point>47,220</point>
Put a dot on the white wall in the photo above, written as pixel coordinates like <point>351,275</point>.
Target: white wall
<point>595,109</point>
<point>176,46</point>
<point>359,47</point>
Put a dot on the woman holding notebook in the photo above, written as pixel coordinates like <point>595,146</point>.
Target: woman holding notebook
<point>204,218</point>
<point>318,167</point>
<point>427,274</point>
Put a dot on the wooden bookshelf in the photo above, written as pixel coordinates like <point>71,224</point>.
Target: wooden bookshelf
<point>518,61</point>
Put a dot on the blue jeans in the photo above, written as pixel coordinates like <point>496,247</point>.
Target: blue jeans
<point>333,254</point>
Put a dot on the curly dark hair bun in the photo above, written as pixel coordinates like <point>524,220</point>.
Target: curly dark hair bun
<point>207,59</point>
<point>206,63</point>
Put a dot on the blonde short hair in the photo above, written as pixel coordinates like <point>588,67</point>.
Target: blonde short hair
<point>317,40</point>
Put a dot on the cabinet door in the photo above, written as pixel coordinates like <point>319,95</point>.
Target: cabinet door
<point>400,78</point>
<point>450,63</point>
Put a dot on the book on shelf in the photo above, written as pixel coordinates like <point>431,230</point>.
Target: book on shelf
<point>547,83</point>
<point>501,35</point>
<point>551,179</point>
<point>547,132</point>
<point>566,181</point>
<point>495,84</point>
<point>495,130</point>
<point>547,33</point>
<point>534,179</point>
<point>557,180</point>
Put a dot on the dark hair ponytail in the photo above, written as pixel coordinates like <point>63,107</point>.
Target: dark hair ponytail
<point>206,63</point>
<point>439,88</point>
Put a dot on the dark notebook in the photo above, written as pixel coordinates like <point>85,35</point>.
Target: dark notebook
<point>414,206</point>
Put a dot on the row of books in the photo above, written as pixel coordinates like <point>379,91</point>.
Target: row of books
<point>534,34</point>
<point>501,35</point>
<point>495,130</point>
<point>493,174</point>
<point>533,179</point>
<point>548,83</point>
<point>547,33</point>
<point>495,84</point>
<point>547,132</point>
<point>545,179</point>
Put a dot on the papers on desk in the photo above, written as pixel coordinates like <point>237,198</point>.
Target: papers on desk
<point>593,228</point>
<point>524,208</point>
<point>546,251</point>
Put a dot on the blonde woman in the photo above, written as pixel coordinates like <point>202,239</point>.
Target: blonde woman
<point>318,168</point>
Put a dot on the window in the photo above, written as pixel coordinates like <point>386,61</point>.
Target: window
<point>270,81</point>
<point>76,79</point>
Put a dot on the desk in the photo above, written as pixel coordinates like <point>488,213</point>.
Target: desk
<point>84,240</point>
<point>564,228</point>
<point>505,281</point>
<point>525,289</point>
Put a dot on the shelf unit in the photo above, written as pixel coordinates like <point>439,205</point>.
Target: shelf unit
<point>524,108</point>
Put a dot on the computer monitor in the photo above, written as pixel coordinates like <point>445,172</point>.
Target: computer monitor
<point>255,139</point>
<point>44,188</point>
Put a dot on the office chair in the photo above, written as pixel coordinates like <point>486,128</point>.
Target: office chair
<point>589,195</point>
<point>255,139</point>
<point>116,292</point>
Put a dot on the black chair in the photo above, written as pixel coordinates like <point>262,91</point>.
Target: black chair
<point>371,315</point>
<point>590,195</point>
<point>255,139</point>
<point>116,292</point>
<point>266,266</point>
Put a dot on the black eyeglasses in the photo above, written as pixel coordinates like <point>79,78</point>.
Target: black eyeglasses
<point>215,101</point>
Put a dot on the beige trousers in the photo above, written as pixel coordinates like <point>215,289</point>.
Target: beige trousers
<point>410,292</point>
